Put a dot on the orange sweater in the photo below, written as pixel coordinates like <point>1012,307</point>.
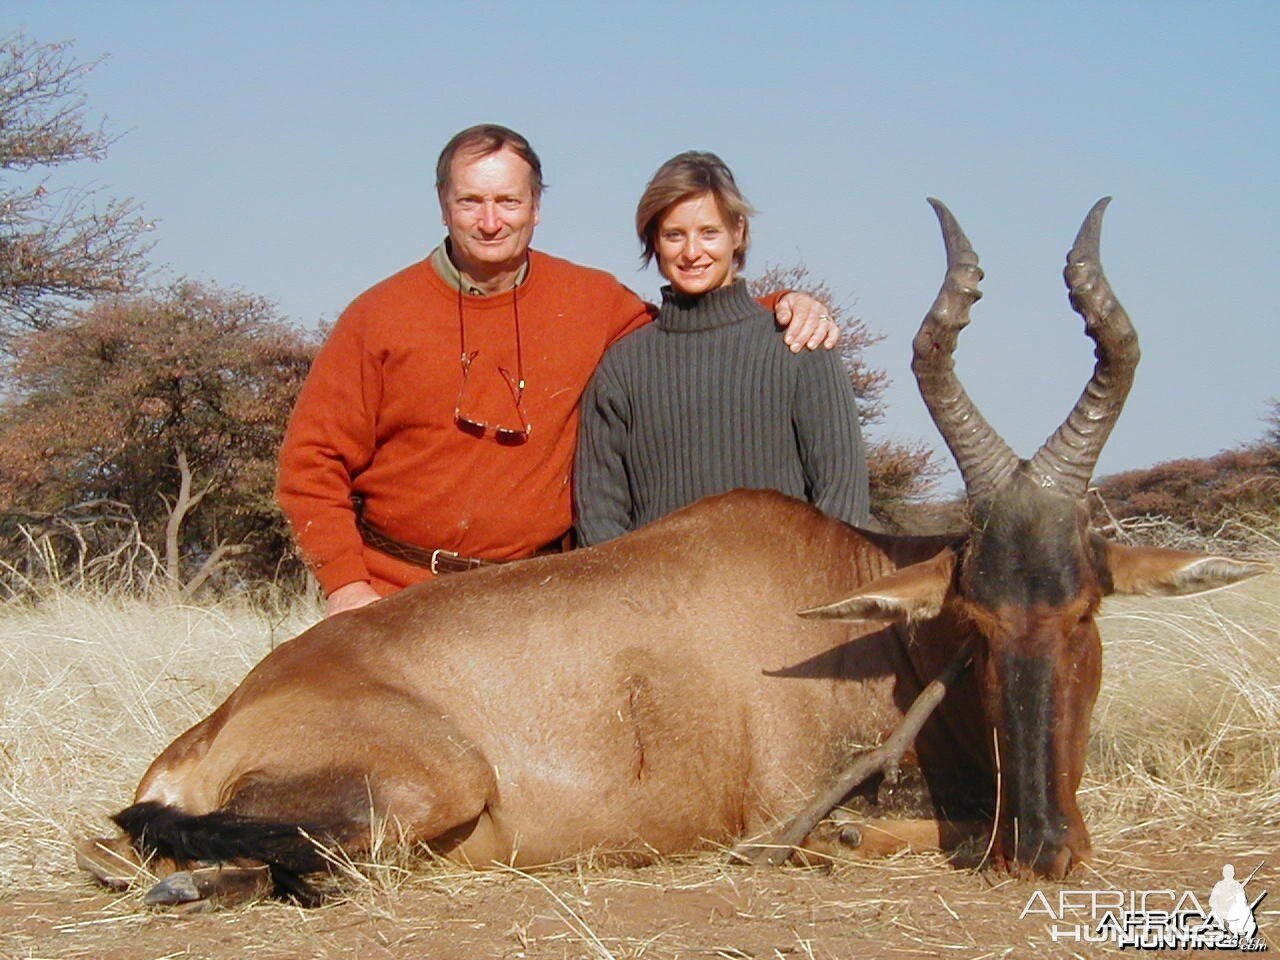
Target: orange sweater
<point>376,418</point>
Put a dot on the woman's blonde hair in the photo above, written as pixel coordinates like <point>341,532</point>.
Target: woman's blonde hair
<point>687,175</point>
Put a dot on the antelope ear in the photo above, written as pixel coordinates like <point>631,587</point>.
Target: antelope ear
<point>1153,572</point>
<point>912,593</point>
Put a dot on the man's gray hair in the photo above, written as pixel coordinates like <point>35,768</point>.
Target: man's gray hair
<point>482,140</point>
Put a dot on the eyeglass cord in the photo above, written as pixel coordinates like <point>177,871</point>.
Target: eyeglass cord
<point>515,314</point>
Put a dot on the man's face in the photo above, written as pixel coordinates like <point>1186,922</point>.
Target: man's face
<point>490,211</point>
<point>695,246</point>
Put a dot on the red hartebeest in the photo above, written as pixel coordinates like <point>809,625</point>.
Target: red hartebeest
<point>658,693</point>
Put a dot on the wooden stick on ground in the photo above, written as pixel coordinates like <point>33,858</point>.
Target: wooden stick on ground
<point>883,759</point>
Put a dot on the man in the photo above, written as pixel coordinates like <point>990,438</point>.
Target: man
<point>437,427</point>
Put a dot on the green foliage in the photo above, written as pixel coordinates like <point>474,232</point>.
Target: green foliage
<point>902,474</point>
<point>56,244</point>
<point>154,403</point>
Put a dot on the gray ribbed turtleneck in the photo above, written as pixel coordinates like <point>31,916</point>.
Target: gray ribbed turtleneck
<point>707,399</point>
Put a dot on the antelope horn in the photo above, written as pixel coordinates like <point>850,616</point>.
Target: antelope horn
<point>984,459</point>
<point>1066,460</point>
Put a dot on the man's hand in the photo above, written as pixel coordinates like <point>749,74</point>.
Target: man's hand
<point>808,322</point>
<point>349,596</point>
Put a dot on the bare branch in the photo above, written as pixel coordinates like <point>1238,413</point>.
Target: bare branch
<point>177,513</point>
<point>64,244</point>
<point>42,120</point>
<point>212,564</point>
<point>179,510</point>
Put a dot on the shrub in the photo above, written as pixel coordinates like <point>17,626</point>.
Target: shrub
<point>171,406</point>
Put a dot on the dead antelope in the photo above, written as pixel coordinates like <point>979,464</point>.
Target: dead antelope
<point>658,693</point>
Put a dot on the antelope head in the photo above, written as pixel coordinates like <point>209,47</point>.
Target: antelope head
<point>1026,579</point>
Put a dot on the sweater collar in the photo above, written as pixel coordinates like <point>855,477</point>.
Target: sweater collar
<point>681,313</point>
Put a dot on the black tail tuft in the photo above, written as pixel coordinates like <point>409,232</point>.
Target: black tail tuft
<point>222,836</point>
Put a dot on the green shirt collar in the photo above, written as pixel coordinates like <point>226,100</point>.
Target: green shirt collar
<point>444,265</point>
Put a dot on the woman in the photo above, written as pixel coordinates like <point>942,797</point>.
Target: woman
<point>708,398</point>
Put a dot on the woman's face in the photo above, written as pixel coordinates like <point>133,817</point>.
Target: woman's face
<point>695,246</point>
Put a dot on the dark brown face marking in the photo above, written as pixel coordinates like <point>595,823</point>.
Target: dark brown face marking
<point>1029,547</point>
<point>1027,704</point>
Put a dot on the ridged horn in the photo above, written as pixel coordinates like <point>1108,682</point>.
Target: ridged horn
<point>984,459</point>
<point>1067,459</point>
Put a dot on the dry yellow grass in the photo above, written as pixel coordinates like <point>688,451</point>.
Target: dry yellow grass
<point>91,689</point>
<point>1188,718</point>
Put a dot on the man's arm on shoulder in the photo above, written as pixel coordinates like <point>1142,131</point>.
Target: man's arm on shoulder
<point>806,321</point>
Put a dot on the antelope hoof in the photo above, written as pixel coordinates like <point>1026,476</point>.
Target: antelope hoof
<point>177,888</point>
<point>209,887</point>
<point>850,836</point>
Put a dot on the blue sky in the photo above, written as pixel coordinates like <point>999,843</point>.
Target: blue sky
<point>287,149</point>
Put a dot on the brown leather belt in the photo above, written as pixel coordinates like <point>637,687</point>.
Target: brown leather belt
<point>437,561</point>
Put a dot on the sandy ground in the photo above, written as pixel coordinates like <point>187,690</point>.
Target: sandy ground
<point>909,906</point>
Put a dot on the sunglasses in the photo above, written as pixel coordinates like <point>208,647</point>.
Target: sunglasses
<point>503,430</point>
